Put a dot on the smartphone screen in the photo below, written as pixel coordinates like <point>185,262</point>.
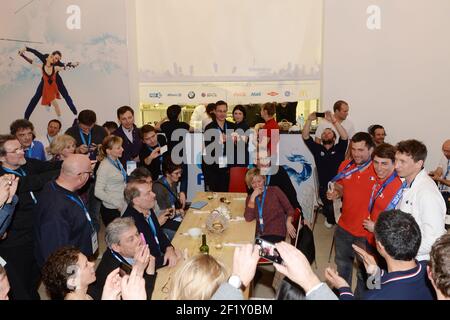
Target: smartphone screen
<point>268,251</point>
<point>320,114</point>
<point>124,269</point>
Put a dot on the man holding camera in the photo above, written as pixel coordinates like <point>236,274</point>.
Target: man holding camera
<point>340,110</point>
<point>328,156</point>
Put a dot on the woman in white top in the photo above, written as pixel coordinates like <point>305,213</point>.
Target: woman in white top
<point>111,179</point>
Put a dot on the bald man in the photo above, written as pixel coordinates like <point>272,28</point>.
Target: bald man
<point>62,219</point>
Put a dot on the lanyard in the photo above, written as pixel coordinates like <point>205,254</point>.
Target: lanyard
<point>225,127</point>
<point>83,138</point>
<point>48,139</point>
<point>373,198</point>
<point>398,196</point>
<point>268,180</point>
<point>30,150</point>
<point>260,206</point>
<point>152,226</point>
<point>119,167</point>
<point>120,258</point>
<point>347,173</point>
<point>21,174</point>
<point>80,203</point>
<point>171,195</point>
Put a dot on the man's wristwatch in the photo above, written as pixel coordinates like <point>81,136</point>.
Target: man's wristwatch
<point>236,282</point>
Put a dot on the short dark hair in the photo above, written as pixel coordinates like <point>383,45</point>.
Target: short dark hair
<point>3,139</point>
<point>210,110</point>
<point>385,151</point>
<point>173,112</point>
<point>373,128</point>
<point>87,117</point>
<point>364,136</point>
<point>56,121</point>
<point>146,129</point>
<point>221,103</point>
<point>123,110</point>
<point>270,108</point>
<point>241,108</point>
<point>111,125</point>
<point>399,234</point>
<point>338,104</point>
<point>169,166</point>
<point>20,124</point>
<point>440,264</point>
<point>55,272</point>
<point>140,173</point>
<point>413,148</point>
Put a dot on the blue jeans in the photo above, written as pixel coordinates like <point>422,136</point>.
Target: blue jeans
<point>344,258</point>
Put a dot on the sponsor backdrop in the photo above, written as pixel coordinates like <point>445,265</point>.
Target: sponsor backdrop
<point>84,32</point>
<point>249,51</point>
<point>233,93</point>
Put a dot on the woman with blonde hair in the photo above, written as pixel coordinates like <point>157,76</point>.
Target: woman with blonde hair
<point>270,207</point>
<point>111,179</point>
<point>198,278</point>
<point>61,147</point>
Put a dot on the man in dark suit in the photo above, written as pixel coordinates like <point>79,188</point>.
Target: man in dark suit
<point>125,247</point>
<point>141,201</point>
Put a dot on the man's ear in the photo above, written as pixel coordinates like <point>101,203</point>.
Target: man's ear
<point>115,247</point>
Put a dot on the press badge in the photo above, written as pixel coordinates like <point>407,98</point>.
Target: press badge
<point>94,241</point>
<point>131,166</point>
<point>222,162</point>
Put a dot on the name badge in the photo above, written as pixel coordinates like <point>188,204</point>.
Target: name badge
<point>131,166</point>
<point>222,162</point>
<point>94,242</point>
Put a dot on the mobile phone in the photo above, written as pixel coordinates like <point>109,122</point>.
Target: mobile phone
<point>124,269</point>
<point>268,251</point>
<point>320,114</point>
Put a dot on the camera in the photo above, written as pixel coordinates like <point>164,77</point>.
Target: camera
<point>320,114</point>
<point>268,251</point>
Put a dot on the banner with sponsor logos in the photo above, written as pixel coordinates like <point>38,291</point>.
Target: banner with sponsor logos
<point>98,76</point>
<point>233,93</point>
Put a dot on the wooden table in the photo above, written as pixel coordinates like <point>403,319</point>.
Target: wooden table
<point>237,232</point>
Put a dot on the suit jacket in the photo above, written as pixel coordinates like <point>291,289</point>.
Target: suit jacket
<point>130,149</point>
<point>108,264</point>
<point>143,227</point>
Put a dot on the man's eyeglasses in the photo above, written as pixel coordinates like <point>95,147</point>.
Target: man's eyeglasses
<point>18,150</point>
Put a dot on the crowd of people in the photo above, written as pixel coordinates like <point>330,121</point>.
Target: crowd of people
<point>57,191</point>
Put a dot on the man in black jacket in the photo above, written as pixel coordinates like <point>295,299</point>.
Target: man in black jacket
<point>141,201</point>
<point>17,248</point>
<point>125,247</point>
<point>130,135</point>
<point>61,87</point>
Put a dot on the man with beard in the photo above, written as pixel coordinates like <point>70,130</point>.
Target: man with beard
<point>328,156</point>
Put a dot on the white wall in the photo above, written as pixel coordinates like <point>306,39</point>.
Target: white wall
<point>397,76</point>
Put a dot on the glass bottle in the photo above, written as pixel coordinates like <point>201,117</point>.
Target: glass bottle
<point>204,247</point>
